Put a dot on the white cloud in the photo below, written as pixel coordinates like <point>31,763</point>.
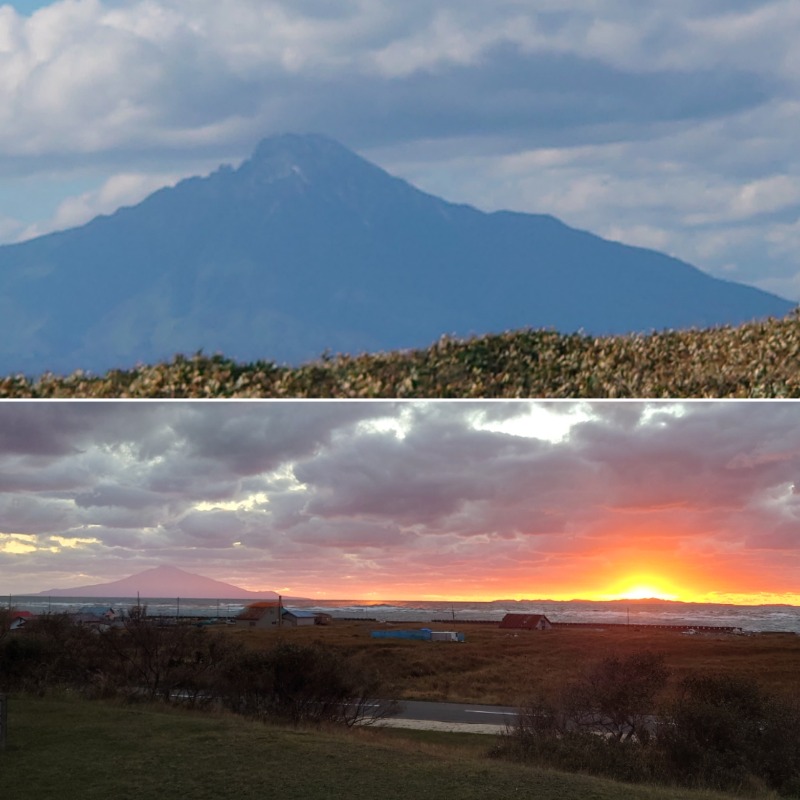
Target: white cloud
<point>119,190</point>
<point>765,195</point>
<point>640,236</point>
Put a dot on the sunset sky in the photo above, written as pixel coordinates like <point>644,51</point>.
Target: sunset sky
<point>408,500</point>
<point>670,125</point>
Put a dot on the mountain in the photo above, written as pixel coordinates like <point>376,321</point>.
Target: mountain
<point>307,247</point>
<point>162,582</point>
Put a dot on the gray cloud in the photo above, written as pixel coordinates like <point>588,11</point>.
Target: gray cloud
<point>128,497</point>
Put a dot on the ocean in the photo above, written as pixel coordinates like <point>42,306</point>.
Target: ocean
<point>749,618</point>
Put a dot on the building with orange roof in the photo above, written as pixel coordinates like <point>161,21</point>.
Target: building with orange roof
<point>262,614</point>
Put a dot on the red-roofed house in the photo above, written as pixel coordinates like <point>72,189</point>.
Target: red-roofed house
<point>263,614</point>
<point>18,620</point>
<point>528,622</point>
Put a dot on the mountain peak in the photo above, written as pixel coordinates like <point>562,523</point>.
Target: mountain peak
<point>303,159</point>
<point>163,581</point>
<point>308,247</point>
<point>299,146</point>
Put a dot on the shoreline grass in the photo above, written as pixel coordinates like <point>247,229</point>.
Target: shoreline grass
<point>755,360</point>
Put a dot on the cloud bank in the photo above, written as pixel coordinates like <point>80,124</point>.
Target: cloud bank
<point>406,500</point>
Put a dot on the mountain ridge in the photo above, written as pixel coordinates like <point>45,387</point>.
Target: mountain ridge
<point>307,248</point>
<point>163,581</point>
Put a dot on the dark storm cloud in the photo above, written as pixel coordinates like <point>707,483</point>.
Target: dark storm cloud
<point>122,496</point>
<point>428,474</point>
<point>216,529</point>
<point>540,100</point>
<point>252,439</point>
<point>49,431</point>
<point>22,513</point>
<point>715,456</point>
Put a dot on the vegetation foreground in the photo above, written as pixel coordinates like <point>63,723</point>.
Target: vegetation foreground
<point>151,707</point>
<point>759,359</point>
<point>73,749</point>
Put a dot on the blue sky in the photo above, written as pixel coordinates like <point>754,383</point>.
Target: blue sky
<point>27,6</point>
<point>668,125</point>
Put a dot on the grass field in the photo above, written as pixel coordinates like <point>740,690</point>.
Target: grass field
<point>69,749</point>
<point>755,360</point>
<point>505,667</point>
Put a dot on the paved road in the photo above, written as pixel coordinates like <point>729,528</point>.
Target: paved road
<point>457,712</point>
<point>465,717</point>
<point>469,718</point>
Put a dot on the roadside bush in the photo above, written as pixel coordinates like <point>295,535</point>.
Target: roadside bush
<point>601,723</point>
<point>50,653</point>
<point>301,683</point>
<point>151,661</point>
<point>727,733</point>
<point>617,696</point>
<point>243,683</point>
<point>720,733</point>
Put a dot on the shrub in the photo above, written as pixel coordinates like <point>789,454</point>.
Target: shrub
<point>50,652</point>
<point>301,683</point>
<point>720,733</point>
<point>726,733</point>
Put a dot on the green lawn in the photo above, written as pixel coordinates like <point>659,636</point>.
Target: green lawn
<point>69,748</point>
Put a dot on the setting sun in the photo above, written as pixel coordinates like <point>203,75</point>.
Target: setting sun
<point>641,592</point>
<point>643,587</point>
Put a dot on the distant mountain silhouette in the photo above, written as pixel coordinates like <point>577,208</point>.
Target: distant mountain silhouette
<point>307,247</point>
<point>162,582</point>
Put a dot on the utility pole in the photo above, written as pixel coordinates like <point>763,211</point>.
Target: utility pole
<point>3,720</point>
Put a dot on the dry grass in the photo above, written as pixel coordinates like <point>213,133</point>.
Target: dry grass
<point>498,667</point>
<point>759,359</point>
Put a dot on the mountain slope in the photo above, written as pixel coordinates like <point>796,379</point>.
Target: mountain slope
<point>161,582</point>
<point>307,247</point>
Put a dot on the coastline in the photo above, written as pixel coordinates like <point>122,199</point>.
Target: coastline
<point>752,619</point>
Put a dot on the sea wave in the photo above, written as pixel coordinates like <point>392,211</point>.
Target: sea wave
<point>750,618</point>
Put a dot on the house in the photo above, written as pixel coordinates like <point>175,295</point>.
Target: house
<point>263,614</point>
<point>323,618</point>
<point>298,618</point>
<point>85,618</point>
<point>447,636</point>
<point>528,622</point>
<point>103,613</point>
<point>19,619</point>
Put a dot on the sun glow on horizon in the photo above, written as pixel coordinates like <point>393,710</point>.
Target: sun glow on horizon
<point>644,592</point>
